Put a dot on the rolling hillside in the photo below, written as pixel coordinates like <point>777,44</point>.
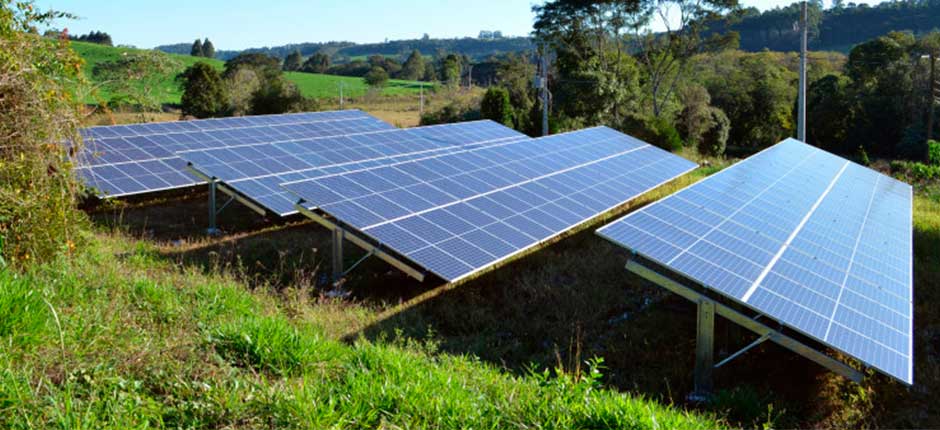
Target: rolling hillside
<point>310,85</point>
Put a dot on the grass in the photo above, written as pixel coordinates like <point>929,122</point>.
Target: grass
<point>310,85</point>
<point>124,337</point>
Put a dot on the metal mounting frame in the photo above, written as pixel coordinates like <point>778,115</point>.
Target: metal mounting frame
<point>340,234</point>
<point>214,185</point>
<point>704,354</point>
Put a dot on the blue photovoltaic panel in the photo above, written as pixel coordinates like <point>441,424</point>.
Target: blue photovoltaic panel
<point>455,214</point>
<point>256,171</point>
<point>138,158</point>
<point>805,237</point>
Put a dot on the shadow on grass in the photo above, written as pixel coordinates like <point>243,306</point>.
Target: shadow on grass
<point>563,304</point>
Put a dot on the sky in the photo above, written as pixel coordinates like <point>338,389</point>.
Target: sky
<point>240,24</point>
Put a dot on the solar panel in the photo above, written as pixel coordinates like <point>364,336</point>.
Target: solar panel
<point>138,158</point>
<point>256,171</point>
<point>456,214</point>
<point>819,243</point>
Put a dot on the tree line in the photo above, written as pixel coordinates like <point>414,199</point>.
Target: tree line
<point>838,28</point>
<point>250,84</point>
<point>202,48</point>
<point>694,88</point>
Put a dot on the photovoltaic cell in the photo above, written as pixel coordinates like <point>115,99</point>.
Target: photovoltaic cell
<point>138,158</point>
<point>257,170</point>
<point>494,201</point>
<point>800,235</point>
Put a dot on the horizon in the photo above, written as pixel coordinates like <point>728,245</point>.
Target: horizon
<point>133,24</point>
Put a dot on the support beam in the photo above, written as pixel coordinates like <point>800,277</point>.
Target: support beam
<point>212,227</point>
<point>364,244</point>
<point>747,322</point>
<point>337,254</point>
<point>704,350</point>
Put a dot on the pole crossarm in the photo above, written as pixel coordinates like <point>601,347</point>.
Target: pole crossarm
<point>362,243</point>
<point>747,322</point>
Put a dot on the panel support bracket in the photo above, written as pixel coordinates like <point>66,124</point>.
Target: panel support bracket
<point>215,185</point>
<point>339,234</point>
<point>707,309</point>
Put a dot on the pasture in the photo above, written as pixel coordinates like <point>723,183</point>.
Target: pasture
<point>318,86</point>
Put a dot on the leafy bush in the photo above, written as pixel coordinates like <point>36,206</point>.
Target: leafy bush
<point>376,78</point>
<point>203,92</point>
<point>715,139</point>
<point>933,152</point>
<point>657,131</point>
<point>38,216</point>
<point>496,106</point>
<point>911,171</point>
<point>450,113</point>
<point>912,145</point>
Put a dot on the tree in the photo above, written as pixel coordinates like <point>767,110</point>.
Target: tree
<point>208,49</point>
<point>516,73</point>
<point>197,50</point>
<point>413,68</point>
<point>715,139</point>
<point>496,106</point>
<point>376,78</point>
<point>203,91</point>
<point>136,78</point>
<point>293,61</point>
<point>317,63</point>
<point>265,66</point>
<point>830,113</point>
<point>695,119</point>
<point>757,94</point>
<point>451,69</point>
<point>241,88</point>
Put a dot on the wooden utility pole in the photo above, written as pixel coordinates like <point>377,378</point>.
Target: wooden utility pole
<point>801,120</point>
<point>543,85</point>
<point>933,94</point>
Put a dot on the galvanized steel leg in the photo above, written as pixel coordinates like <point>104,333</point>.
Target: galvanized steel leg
<point>337,254</point>
<point>212,212</point>
<point>704,350</point>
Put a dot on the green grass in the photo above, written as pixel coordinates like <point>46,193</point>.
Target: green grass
<point>123,338</point>
<point>310,84</point>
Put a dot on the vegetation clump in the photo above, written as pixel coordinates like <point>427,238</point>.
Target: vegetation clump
<point>39,220</point>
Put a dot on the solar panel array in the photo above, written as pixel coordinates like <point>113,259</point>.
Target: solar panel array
<point>455,214</point>
<point>256,171</point>
<point>817,242</point>
<point>138,158</point>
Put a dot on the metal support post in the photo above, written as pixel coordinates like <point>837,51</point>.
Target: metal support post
<point>212,230</point>
<point>337,253</point>
<point>704,350</point>
<point>707,313</point>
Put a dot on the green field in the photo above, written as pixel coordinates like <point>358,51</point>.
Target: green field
<point>310,84</point>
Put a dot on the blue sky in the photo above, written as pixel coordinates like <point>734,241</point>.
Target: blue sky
<point>239,24</point>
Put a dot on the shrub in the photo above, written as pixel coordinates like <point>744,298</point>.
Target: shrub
<point>203,92</point>
<point>715,139</point>
<point>38,112</point>
<point>496,106</point>
<point>933,152</point>
<point>376,78</point>
<point>450,113</point>
<point>657,131</point>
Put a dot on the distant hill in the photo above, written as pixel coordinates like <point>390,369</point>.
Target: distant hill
<point>310,84</point>
<point>835,29</point>
<point>475,48</point>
